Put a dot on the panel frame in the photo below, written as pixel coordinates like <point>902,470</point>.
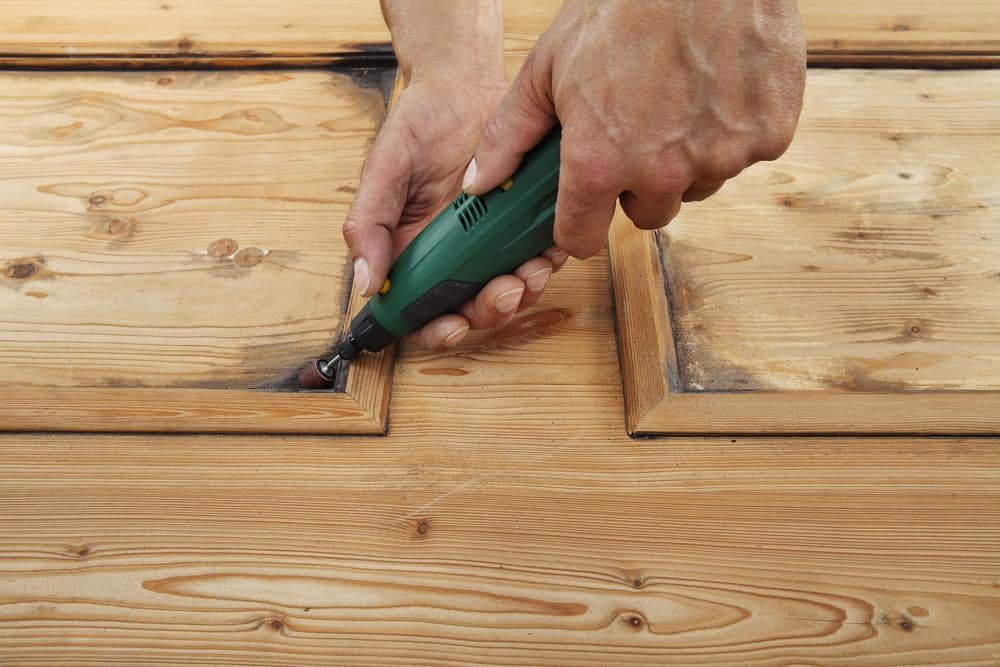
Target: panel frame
<point>183,38</point>
<point>654,405</point>
<point>361,407</point>
<point>359,404</point>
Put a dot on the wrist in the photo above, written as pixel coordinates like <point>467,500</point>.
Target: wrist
<point>442,40</point>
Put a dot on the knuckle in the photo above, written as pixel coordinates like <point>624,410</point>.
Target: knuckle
<point>776,140</point>
<point>666,181</point>
<point>491,132</point>
<point>589,175</point>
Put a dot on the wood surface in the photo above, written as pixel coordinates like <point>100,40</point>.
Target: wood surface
<point>172,249</point>
<point>506,519</point>
<point>889,251</point>
<point>60,33</point>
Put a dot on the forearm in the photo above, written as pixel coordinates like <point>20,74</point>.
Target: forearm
<point>447,39</point>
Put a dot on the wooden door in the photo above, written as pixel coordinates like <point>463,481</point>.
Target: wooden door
<point>171,249</point>
<point>851,286</point>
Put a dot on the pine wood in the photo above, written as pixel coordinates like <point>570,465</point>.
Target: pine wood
<point>505,519</point>
<point>172,249</point>
<point>836,290</point>
<point>226,33</point>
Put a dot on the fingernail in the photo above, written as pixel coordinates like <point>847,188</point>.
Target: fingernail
<point>361,276</point>
<point>537,280</point>
<point>507,302</point>
<point>452,339</point>
<point>470,175</point>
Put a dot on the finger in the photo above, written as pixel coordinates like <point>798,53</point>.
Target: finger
<point>557,256</point>
<point>496,304</point>
<point>584,207</point>
<point>650,213</point>
<point>535,273</point>
<point>441,333</point>
<point>522,118</point>
<point>700,191</point>
<point>374,215</point>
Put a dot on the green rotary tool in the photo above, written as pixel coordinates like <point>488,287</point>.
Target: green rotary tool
<point>472,241</point>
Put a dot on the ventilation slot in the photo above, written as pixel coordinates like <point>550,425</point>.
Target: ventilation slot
<point>471,211</point>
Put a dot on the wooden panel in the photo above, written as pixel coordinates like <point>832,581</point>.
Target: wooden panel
<point>506,519</point>
<point>312,32</point>
<point>172,249</point>
<point>962,32</point>
<point>862,267</point>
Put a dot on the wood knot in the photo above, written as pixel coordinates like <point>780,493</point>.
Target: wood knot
<point>184,44</point>
<point>635,621</point>
<point>249,257</point>
<point>900,27</point>
<point>115,228</point>
<point>22,270</point>
<point>165,81</point>
<point>276,625</point>
<point>905,624</point>
<point>222,248</point>
<point>423,527</point>
<point>81,551</point>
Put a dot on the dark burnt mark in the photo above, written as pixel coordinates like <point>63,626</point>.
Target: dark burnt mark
<point>810,268</point>
<point>928,291</point>
<point>787,202</point>
<point>926,97</point>
<point>381,79</point>
<point>905,175</point>
<point>347,189</point>
<point>901,27</point>
<point>897,138</point>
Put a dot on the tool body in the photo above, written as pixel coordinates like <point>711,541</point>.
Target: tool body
<point>472,241</point>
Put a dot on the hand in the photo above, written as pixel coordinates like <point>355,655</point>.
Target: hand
<point>660,102</point>
<point>414,170</point>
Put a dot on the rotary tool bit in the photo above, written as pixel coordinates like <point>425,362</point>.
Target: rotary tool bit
<point>472,241</point>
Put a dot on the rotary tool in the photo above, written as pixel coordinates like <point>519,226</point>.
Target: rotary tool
<point>472,241</point>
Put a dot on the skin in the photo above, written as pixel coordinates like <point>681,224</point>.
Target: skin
<point>661,102</point>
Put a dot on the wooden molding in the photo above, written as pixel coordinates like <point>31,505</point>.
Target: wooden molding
<point>647,354</point>
<point>115,316</point>
<point>189,33</point>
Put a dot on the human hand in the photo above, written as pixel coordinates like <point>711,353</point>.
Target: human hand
<point>660,103</point>
<point>414,169</point>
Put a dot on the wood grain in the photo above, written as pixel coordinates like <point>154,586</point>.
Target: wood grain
<point>176,231</point>
<point>225,33</point>
<point>881,224</point>
<point>506,520</point>
<point>888,250</point>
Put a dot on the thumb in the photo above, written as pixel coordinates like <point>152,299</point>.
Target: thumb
<point>374,216</point>
<point>522,118</point>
